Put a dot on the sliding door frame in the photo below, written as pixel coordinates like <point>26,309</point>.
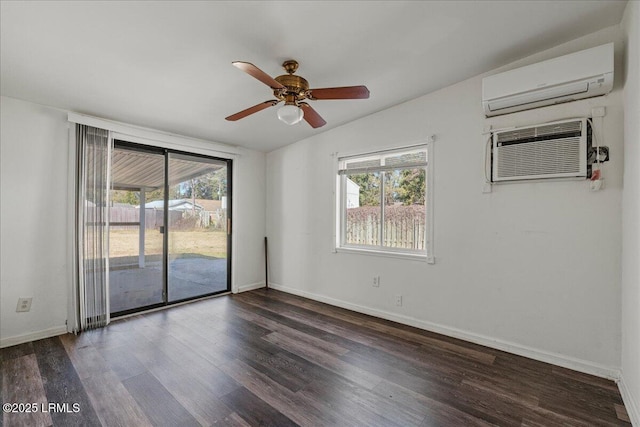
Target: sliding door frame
<point>229,166</point>
<point>120,142</point>
<point>146,137</point>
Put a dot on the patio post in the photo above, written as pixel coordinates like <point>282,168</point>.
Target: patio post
<point>143,217</point>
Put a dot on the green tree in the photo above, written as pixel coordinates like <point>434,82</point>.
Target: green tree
<point>412,186</point>
<point>211,186</point>
<point>406,186</point>
<point>125,196</point>
<point>369,184</point>
<point>158,194</point>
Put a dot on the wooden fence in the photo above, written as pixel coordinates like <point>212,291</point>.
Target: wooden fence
<point>404,226</point>
<point>153,218</point>
<point>126,218</point>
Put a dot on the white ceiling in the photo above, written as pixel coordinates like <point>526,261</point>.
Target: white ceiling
<point>167,65</point>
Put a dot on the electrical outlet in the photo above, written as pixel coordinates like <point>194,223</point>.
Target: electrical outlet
<point>399,300</point>
<point>376,281</point>
<point>24,304</point>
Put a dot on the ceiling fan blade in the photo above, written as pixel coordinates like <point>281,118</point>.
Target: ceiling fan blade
<point>347,92</point>
<point>244,113</point>
<point>311,116</point>
<point>257,73</point>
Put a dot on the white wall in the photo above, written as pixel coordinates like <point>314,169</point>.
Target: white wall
<point>630,217</point>
<point>33,212</point>
<point>33,218</point>
<point>531,267</point>
<point>250,223</point>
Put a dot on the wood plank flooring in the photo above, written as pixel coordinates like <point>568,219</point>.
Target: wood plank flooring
<point>270,358</point>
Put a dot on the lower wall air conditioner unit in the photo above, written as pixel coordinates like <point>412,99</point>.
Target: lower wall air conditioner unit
<point>550,150</point>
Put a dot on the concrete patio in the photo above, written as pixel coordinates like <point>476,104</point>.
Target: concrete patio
<point>132,287</point>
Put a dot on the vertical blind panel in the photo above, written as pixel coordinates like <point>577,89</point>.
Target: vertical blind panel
<point>93,197</point>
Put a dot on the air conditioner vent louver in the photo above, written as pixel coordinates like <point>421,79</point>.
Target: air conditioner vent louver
<point>540,158</point>
<point>573,127</point>
<point>553,150</point>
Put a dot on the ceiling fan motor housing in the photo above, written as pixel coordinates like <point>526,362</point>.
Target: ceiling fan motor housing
<point>294,85</point>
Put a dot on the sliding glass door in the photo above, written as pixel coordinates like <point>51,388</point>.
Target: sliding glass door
<point>136,244</point>
<point>168,229</point>
<point>198,238</point>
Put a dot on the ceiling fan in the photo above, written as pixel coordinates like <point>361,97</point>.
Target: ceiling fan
<point>293,90</point>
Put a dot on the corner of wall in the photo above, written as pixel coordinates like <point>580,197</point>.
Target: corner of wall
<point>630,403</point>
<point>630,320</point>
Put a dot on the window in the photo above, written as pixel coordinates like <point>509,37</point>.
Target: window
<point>384,203</point>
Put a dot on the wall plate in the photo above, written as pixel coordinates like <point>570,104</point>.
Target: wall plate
<point>24,305</point>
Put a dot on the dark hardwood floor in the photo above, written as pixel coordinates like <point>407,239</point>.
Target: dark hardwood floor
<point>270,358</point>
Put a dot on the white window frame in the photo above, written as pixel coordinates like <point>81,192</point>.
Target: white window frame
<point>340,209</point>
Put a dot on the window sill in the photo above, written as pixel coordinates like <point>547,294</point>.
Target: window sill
<point>389,254</point>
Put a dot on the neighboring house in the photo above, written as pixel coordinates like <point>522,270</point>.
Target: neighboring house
<point>216,210</point>
<point>353,194</point>
<point>174,205</point>
<point>209,205</point>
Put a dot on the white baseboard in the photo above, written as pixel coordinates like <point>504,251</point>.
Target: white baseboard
<point>33,336</point>
<point>630,402</point>
<point>59,330</point>
<point>575,364</point>
<point>250,287</point>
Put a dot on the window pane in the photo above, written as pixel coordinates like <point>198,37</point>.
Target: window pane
<point>404,209</point>
<point>362,202</point>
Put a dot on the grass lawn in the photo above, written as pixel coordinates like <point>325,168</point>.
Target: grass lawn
<point>202,242</point>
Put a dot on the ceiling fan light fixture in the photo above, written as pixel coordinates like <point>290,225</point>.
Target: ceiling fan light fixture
<point>290,114</point>
<point>293,90</point>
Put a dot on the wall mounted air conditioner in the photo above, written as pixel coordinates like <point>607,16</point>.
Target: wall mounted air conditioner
<point>575,76</point>
<point>550,150</point>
